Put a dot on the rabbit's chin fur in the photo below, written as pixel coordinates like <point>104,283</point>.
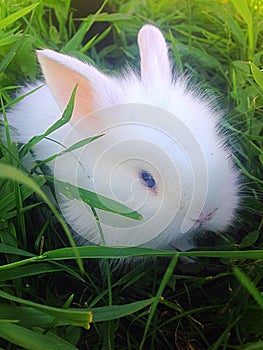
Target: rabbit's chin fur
<point>161,153</point>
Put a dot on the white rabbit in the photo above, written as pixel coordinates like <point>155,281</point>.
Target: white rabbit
<point>161,154</point>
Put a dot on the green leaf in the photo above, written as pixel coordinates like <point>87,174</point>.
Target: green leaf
<point>7,41</point>
<point>11,173</point>
<point>252,322</point>
<point>257,74</point>
<point>113,17</point>
<point>250,286</point>
<point>249,239</point>
<point>27,267</point>
<point>6,249</point>
<point>13,52</point>
<point>9,202</point>
<point>75,42</point>
<point>75,317</point>
<point>20,98</point>
<point>97,252</point>
<point>106,313</point>
<point>29,270</point>
<point>95,40</point>
<point>15,16</point>
<point>243,254</point>
<point>83,317</point>
<point>244,11</point>
<point>26,316</point>
<point>31,340</point>
<point>75,146</point>
<point>206,59</point>
<point>59,123</point>
<point>168,273</point>
<point>253,346</point>
<point>103,252</point>
<point>14,213</point>
<point>94,200</point>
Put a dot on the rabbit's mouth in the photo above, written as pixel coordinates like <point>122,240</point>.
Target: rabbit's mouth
<point>204,218</point>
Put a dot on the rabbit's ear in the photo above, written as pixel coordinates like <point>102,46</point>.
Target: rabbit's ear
<point>155,65</point>
<point>62,73</point>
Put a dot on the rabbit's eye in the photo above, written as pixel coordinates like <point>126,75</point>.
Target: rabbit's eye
<point>147,179</point>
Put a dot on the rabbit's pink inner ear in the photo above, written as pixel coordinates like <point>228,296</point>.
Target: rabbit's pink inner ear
<point>155,64</point>
<point>61,81</point>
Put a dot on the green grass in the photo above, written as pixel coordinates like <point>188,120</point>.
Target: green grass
<point>58,296</point>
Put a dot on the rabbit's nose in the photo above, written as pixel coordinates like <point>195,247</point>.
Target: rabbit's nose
<point>205,216</point>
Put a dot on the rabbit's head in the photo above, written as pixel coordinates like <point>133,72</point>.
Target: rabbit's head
<point>161,153</point>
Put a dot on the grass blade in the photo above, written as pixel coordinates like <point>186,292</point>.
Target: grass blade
<point>249,285</point>
<point>75,146</point>
<point>168,273</point>
<point>59,123</point>
<point>83,317</point>
<point>257,74</point>
<point>98,252</point>
<point>9,202</point>
<point>94,200</point>
<point>77,39</point>
<point>15,16</point>
<point>27,316</point>
<point>6,249</point>
<point>113,312</point>
<point>244,11</point>
<point>31,340</point>
<point>13,174</point>
<point>76,317</point>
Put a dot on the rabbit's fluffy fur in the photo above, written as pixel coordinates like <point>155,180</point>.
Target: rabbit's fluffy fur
<point>162,153</point>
